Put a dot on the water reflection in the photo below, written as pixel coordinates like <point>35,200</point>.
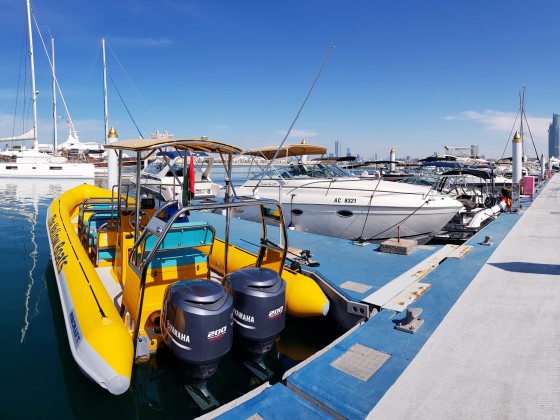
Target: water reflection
<point>158,389</point>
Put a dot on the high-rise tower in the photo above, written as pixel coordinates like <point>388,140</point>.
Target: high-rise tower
<point>554,136</point>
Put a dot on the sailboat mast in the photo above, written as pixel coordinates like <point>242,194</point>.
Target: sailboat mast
<point>32,64</point>
<point>522,112</point>
<point>55,131</point>
<point>106,108</point>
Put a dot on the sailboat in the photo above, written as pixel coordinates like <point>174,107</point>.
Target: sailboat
<point>34,163</point>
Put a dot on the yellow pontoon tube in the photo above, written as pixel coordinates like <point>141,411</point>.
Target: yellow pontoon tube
<point>98,338</point>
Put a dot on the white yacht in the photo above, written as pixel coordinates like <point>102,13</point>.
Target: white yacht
<point>323,198</point>
<point>163,178</point>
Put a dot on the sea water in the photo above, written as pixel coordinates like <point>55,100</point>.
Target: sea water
<point>40,376</point>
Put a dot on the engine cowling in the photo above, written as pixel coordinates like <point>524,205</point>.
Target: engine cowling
<point>259,307</point>
<point>197,325</point>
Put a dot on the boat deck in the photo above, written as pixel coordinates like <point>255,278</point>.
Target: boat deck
<point>487,347</point>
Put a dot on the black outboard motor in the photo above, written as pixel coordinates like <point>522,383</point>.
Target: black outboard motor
<point>197,328</point>
<point>259,313</point>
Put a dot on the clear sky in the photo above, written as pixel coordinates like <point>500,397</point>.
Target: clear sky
<point>413,75</point>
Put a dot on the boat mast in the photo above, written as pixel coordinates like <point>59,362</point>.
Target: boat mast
<point>55,133</point>
<point>32,64</point>
<point>522,115</point>
<point>106,108</point>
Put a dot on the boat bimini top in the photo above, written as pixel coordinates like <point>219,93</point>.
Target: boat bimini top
<point>275,152</point>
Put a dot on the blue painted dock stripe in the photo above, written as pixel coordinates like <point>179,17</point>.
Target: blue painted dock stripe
<point>276,402</point>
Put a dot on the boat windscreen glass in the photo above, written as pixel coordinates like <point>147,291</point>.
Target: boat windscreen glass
<point>322,170</point>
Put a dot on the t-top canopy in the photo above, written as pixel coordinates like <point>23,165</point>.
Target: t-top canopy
<point>285,151</point>
<point>192,145</point>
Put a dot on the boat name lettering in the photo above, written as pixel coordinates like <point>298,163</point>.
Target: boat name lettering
<point>217,334</point>
<point>75,329</point>
<point>276,312</point>
<point>243,317</point>
<point>58,245</point>
<point>178,334</point>
<point>344,200</point>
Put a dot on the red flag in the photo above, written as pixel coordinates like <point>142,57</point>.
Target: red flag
<point>191,175</point>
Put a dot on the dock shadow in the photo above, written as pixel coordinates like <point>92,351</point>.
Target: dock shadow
<point>525,267</point>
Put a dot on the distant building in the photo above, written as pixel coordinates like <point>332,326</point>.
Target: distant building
<point>161,136</point>
<point>474,150</point>
<point>348,152</point>
<point>554,136</point>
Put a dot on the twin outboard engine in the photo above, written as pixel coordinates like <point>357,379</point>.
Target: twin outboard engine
<point>259,313</point>
<point>197,328</point>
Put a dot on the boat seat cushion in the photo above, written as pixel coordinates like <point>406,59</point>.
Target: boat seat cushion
<point>178,257</point>
<point>184,235</point>
<point>95,222</point>
<point>179,247</point>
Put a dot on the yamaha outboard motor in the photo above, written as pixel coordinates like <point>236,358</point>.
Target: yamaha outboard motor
<point>259,314</point>
<point>197,328</point>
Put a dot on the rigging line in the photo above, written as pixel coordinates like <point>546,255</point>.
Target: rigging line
<point>127,110</point>
<point>20,86</point>
<point>369,207</point>
<point>398,223</point>
<point>131,82</point>
<point>54,75</point>
<point>510,133</point>
<point>532,140</point>
<point>298,113</point>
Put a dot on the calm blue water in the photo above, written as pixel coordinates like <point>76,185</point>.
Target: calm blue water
<point>41,379</point>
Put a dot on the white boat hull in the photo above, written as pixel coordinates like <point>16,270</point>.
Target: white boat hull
<point>351,210</point>
<point>47,170</point>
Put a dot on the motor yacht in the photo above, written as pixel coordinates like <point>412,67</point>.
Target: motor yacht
<point>163,178</point>
<point>323,198</point>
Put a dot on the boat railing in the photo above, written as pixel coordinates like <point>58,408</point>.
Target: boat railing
<point>92,209</point>
<point>143,254</point>
<point>102,243</point>
<point>184,242</point>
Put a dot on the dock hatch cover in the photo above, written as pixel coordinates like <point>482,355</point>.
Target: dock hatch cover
<point>361,362</point>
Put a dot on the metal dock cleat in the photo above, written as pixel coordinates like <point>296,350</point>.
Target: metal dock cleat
<point>411,322</point>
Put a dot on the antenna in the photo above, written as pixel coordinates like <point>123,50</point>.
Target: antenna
<point>297,115</point>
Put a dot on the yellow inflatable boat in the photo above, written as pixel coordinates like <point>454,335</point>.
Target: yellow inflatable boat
<point>117,259</point>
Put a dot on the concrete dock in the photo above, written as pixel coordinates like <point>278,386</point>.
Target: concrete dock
<point>484,341</point>
<point>497,352</point>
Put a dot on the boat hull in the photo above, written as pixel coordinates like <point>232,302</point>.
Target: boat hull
<point>98,339</point>
<point>47,170</point>
<point>369,210</point>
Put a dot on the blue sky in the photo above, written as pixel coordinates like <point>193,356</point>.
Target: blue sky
<point>413,75</point>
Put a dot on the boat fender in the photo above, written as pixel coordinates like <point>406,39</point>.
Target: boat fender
<point>507,196</point>
<point>501,206</point>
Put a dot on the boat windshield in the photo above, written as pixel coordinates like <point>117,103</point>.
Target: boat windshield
<point>156,167</point>
<point>306,170</point>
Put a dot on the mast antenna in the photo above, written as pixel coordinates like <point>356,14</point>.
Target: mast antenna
<point>298,113</point>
